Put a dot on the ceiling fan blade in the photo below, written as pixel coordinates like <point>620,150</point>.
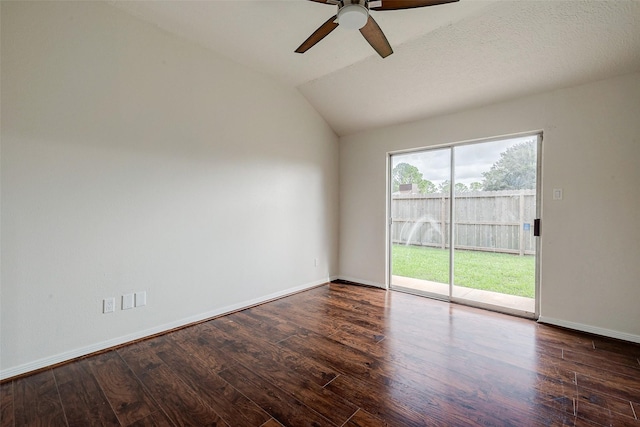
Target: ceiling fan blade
<point>332,2</point>
<point>407,4</point>
<point>318,35</point>
<point>376,38</point>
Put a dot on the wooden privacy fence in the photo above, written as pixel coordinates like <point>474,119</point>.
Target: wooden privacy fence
<point>496,221</point>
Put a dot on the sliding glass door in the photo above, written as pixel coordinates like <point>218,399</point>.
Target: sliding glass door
<point>483,198</point>
<point>420,228</point>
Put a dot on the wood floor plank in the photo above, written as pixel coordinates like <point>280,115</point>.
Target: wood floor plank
<point>271,423</point>
<point>296,382</point>
<point>628,359</point>
<point>468,324</point>
<point>195,342</point>
<point>374,297</point>
<point>270,328</point>
<point>617,347</point>
<point>84,401</point>
<point>37,401</point>
<point>241,342</point>
<point>348,312</point>
<point>379,401</point>
<point>601,362</point>
<point>352,312</point>
<point>327,327</point>
<point>364,419</point>
<point>156,419</point>
<point>342,358</point>
<point>234,407</point>
<point>140,358</point>
<point>182,405</point>
<point>369,378</point>
<point>372,367</point>
<point>122,389</point>
<point>177,400</point>
<point>612,385</point>
<point>603,416</point>
<point>612,403</point>
<point>564,338</point>
<point>283,407</point>
<point>7,417</point>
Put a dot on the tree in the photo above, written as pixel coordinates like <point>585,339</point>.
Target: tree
<point>475,186</point>
<point>445,186</point>
<point>461,188</point>
<point>427,187</point>
<point>514,170</point>
<point>404,173</point>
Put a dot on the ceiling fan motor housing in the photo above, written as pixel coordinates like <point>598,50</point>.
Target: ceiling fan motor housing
<point>353,14</point>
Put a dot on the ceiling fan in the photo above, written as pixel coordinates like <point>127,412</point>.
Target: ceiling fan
<point>355,14</point>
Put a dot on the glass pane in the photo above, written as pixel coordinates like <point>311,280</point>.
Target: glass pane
<point>420,227</point>
<point>494,210</point>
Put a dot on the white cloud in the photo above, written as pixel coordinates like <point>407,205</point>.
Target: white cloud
<point>471,160</point>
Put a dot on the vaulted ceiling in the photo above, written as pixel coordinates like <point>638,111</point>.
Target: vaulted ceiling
<point>446,58</point>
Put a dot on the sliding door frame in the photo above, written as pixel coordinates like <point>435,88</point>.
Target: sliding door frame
<point>450,298</point>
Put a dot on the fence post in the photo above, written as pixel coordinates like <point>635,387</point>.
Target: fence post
<point>521,229</point>
<point>443,224</point>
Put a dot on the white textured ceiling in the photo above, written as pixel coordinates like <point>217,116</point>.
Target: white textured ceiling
<point>447,57</point>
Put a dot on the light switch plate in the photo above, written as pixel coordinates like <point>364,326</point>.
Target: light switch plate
<point>557,194</point>
<point>141,298</point>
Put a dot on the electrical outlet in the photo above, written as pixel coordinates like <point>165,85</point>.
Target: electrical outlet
<point>127,301</point>
<point>108,305</point>
<point>315,262</point>
<point>141,298</point>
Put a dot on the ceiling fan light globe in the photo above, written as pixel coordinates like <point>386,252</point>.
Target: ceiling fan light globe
<point>353,16</point>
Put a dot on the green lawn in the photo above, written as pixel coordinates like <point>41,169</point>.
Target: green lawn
<point>504,273</point>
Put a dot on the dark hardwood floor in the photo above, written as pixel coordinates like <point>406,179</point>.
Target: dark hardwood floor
<point>342,355</point>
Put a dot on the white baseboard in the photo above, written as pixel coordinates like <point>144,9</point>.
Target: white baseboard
<point>590,329</point>
<point>362,281</point>
<point>93,348</point>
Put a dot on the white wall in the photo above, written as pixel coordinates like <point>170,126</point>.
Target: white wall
<point>133,161</point>
<point>590,252</point>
